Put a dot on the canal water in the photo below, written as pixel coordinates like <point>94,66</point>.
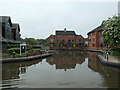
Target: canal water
<point>68,69</point>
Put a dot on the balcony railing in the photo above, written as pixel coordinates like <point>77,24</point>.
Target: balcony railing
<point>9,41</point>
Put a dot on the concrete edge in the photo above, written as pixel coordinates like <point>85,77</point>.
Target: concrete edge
<point>76,50</point>
<point>25,58</point>
<point>102,60</point>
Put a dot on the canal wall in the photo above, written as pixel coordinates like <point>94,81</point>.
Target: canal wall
<point>67,49</point>
<point>108,63</point>
<point>22,59</point>
<point>90,50</point>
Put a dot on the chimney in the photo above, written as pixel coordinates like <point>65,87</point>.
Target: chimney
<point>64,29</point>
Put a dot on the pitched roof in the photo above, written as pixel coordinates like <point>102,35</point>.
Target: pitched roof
<point>4,19</point>
<point>15,26</point>
<point>65,32</point>
<point>99,28</point>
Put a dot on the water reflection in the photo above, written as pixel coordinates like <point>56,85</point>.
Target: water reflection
<point>66,60</point>
<point>12,71</point>
<point>88,72</point>
<point>109,74</point>
<point>93,62</point>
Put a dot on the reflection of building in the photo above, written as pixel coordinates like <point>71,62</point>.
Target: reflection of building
<point>95,38</point>
<point>66,60</point>
<point>13,70</point>
<point>93,61</point>
<point>10,71</point>
<point>65,40</point>
<point>108,74</point>
<point>10,32</point>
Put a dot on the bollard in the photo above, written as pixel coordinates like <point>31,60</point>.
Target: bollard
<point>107,55</point>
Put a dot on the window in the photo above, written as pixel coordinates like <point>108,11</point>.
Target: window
<point>101,45</point>
<point>89,39</point>
<point>51,45</point>
<point>58,35</point>
<point>93,45</point>
<point>90,45</point>
<point>93,33</point>
<point>51,40</point>
<point>80,42</point>
<point>62,41</point>
<point>93,39</point>
<point>69,42</point>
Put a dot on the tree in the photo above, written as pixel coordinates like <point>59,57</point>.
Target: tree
<point>111,33</point>
<point>42,41</point>
<point>30,41</point>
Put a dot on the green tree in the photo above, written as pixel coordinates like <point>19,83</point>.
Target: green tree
<point>30,41</point>
<point>42,41</point>
<point>111,33</point>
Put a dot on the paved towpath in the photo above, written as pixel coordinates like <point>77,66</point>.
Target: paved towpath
<point>112,61</point>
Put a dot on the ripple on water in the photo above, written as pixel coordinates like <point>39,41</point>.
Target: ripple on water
<point>10,84</point>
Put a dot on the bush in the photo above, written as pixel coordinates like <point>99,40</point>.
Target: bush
<point>34,50</point>
<point>10,50</point>
<point>115,52</point>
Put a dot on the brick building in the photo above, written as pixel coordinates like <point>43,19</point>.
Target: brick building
<point>9,32</point>
<point>95,40</point>
<point>64,39</point>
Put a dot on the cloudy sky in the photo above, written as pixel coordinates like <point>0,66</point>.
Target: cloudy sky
<point>39,19</point>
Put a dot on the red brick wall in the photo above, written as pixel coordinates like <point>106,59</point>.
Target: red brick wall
<point>92,40</point>
<point>58,39</point>
<point>96,42</point>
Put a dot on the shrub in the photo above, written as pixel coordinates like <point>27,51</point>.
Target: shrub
<point>115,52</point>
<point>10,50</point>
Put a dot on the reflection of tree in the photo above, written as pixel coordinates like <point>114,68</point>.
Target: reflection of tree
<point>12,70</point>
<point>109,74</point>
<point>66,60</point>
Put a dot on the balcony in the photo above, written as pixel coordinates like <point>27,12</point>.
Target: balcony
<point>9,41</point>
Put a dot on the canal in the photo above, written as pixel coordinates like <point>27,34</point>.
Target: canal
<point>68,69</point>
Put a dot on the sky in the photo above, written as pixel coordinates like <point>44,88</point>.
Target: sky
<point>39,19</point>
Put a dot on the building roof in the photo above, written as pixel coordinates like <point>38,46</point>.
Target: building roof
<point>4,19</point>
<point>99,28</point>
<point>15,26</point>
<point>64,32</point>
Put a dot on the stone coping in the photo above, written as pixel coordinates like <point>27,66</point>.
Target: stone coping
<point>21,59</point>
<point>109,62</point>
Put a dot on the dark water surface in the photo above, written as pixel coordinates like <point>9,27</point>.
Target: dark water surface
<point>69,69</point>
